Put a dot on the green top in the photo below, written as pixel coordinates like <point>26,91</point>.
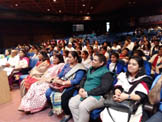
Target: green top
<point>94,79</point>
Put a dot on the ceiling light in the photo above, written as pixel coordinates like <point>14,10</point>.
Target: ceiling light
<point>54,0</point>
<point>131,2</point>
<point>87,18</point>
<point>91,7</point>
<point>134,2</point>
<point>83,5</point>
<point>60,11</point>
<point>48,9</point>
<point>16,4</point>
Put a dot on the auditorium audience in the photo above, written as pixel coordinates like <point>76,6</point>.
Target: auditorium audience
<point>96,45</point>
<point>124,55</point>
<point>156,59</point>
<point>90,52</point>
<point>98,81</point>
<point>115,47</point>
<point>35,99</point>
<point>33,49</point>
<point>103,50</point>
<point>20,67</point>
<point>154,47</point>
<point>115,65</point>
<point>65,56</point>
<point>86,61</point>
<point>7,53</point>
<point>146,48</point>
<point>69,77</point>
<point>66,77</point>
<point>124,90</point>
<point>128,44</point>
<point>36,73</point>
<point>69,47</point>
<point>12,61</point>
<point>35,56</point>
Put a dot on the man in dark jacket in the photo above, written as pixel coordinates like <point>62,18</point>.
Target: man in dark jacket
<point>98,82</point>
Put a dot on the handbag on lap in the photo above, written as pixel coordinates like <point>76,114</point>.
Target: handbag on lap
<point>127,106</point>
<point>58,88</point>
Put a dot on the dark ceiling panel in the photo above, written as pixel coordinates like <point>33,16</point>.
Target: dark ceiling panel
<point>78,7</point>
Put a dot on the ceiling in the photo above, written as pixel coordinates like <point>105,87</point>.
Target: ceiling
<point>75,10</point>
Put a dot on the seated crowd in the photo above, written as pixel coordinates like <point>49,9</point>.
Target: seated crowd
<point>73,78</point>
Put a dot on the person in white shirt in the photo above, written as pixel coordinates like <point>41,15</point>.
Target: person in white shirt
<point>155,48</point>
<point>115,47</point>
<point>65,55</point>
<point>90,52</point>
<point>20,67</point>
<point>96,45</point>
<point>105,44</point>
<point>128,44</point>
<point>13,60</point>
<point>23,61</point>
<point>86,61</point>
<point>86,47</point>
<point>146,48</point>
<point>69,47</point>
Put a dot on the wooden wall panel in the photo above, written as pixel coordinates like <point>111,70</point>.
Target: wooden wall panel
<point>5,95</point>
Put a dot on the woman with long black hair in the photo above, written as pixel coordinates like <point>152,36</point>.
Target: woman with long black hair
<point>135,74</point>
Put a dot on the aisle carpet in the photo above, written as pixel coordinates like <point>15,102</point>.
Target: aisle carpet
<point>9,112</point>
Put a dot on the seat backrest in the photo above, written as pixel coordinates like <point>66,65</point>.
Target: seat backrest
<point>33,62</point>
<point>147,66</point>
<point>30,54</point>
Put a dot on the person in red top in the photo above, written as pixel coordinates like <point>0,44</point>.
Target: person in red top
<point>124,55</point>
<point>156,59</point>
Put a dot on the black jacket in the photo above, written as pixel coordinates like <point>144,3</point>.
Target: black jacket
<point>105,86</point>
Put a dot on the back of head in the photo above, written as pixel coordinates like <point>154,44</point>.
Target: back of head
<point>138,53</point>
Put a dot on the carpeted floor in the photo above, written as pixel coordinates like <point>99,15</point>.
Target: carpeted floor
<point>9,112</point>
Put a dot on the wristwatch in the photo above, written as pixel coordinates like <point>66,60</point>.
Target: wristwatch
<point>129,97</point>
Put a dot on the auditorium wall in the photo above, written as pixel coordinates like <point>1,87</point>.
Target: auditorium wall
<point>13,33</point>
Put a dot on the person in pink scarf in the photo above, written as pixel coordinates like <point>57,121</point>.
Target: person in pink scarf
<point>35,99</point>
